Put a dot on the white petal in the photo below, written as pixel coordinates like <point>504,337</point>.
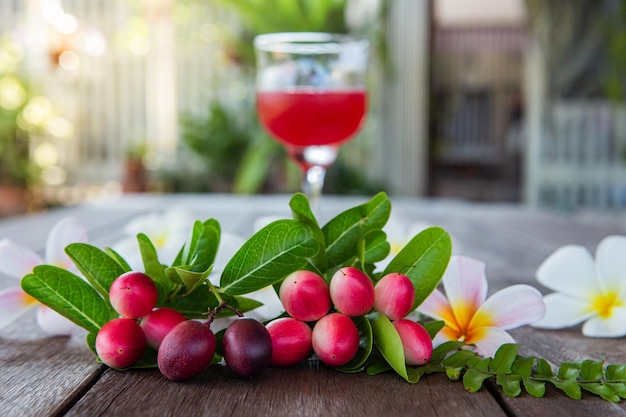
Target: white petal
<point>513,306</point>
<point>435,306</point>
<point>13,304</point>
<point>54,324</point>
<point>229,245</point>
<point>611,262</point>
<point>17,260</point>
<point>65,231</point>
<point>613,326</point>
<point>569,270</point>
<point>466,286</point>
<point>491,339</point>
<point>271,308</point>
<point>563,311</point>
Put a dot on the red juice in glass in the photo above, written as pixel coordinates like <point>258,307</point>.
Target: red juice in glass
<point>307,117</point>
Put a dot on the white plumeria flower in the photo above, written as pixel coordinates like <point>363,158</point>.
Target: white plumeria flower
<point>17,261</point>
<point>586,291</point>
<point>168,232</point>
<point>473,318</point>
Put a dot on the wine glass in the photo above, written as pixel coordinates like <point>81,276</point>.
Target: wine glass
<point>311,97</point>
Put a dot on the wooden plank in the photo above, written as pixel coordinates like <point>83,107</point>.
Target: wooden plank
<point>279,392</point>
<point>42,375</point>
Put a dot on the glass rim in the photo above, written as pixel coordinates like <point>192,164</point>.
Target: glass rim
<point>306,42</point>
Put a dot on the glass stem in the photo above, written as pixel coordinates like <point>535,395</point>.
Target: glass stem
<point>313,184</point>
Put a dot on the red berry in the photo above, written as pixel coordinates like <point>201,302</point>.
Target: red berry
<point>158,323</point>
<point>120,343</point>
<point>133,294</point>
<point>416,342</point>
<point>335,339</point>
<point>291,341</point>
<point>352,292</point>
<point>305,295</point>
<point>186,350</point>
<point>394,296</point>
<point>247,347</point>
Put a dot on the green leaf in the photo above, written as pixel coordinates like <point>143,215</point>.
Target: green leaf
<point>95,265</point>
<point>389,344</point>
<point>68,295</point>
<point>591,370</point>
<point>424,260</point>
<point>600,390</point>
<point>441,351</point>
<point>473,379</point>
<point>376,247</point>
<point>378,367</point>
<point>453,374</point>
<point>523,366</point>
<point>568,370</point>
<point>118,258</point>
<point>365,346</point>
<point>504,358</point>
<point>196,304</point>
<point>619,388</point>
<point>510,384</point>
<point>535,388</point>
<point>458,359</point>
<point>271,254</point>
<point>201,248</point>
<point>343,232</point>
<point>543,368</point>
<point>190,279</point>
<point>570,387</point>
<point>434,327</point>
<point>615,372</point>
<point>301,211</point>
<point>153,268</point>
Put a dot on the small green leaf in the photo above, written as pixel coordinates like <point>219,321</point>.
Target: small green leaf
<point>523,366</point>
<point>424,260</point>
<point>389,344</point>
<point>473,379</point>
<point>118,258</point>
<point>441,351</point>
<point>591,370</point>
<point>570,387</point>
<point>510,384</point>
<point>365,346</point>
<point>535,388</point>
<point>95,265</point>
<point>342,233</point>
<point>301,211</point>
<point>271,254</point>
<point>615,372</point>
<point>190,279</point>
<point>153,268</point>
<point>458,359</point>
<point>543,369</point>
<point>68,295</point>
<point>619,388</point>
<point>600,390</point>
<point>201,248</point>
<point>568,370</point>
<point>378,367</point>
<point>434,327</point>
<point>453,374</point>
<point>376,247</point>
<point>504,358</point>
<point>196,304</point>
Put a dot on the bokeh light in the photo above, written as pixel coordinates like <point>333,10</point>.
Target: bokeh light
<point>12,92</point>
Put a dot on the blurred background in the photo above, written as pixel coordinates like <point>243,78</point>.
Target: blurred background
<point>518,101</point>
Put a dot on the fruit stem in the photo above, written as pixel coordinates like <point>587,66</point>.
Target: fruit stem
<point>222,305</point>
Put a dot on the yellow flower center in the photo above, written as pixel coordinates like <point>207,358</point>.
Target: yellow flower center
<point>603,304</point>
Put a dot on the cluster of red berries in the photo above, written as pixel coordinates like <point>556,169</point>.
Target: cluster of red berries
<point>184,347</point>
<point>320,316</point>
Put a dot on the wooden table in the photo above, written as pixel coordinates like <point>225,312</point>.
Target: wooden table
<point>42,376</point>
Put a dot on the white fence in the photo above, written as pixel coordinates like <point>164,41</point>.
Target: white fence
<point>581,161</point>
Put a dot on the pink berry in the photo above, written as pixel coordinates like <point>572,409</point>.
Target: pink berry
<point>158,323</point>
<point>416,342</point>
<point>133,294</point>
<point>305,296</point>
<point>335,339</point>
<point>120,343</point>
<point>394,296</point>
<point>291,341</point>
<point>352,292</point>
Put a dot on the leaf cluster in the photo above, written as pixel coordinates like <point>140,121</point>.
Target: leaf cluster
<point>352,238</point>
<point>514,373</point>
